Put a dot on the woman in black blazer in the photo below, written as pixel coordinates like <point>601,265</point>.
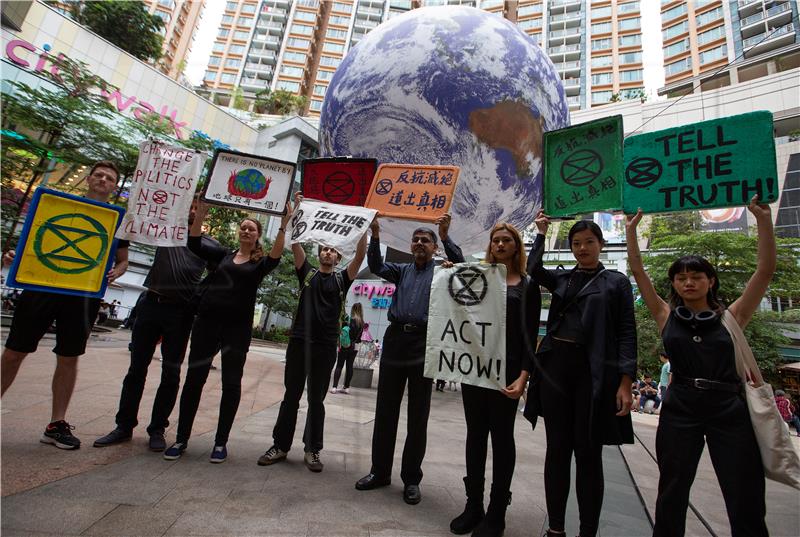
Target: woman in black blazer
<point>582,376</point>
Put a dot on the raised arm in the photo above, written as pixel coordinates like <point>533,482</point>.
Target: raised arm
<point>387,271</point>
<point>659,309</point>
<point>451,249</point>
<point>536,270</point>
<point>297,248</point>
<point>204,249</point>
<point>744,307</point>
<point>280,239</point>
<point>355,263</point>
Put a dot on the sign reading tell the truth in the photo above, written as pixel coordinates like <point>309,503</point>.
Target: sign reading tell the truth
<point>249,182</point>
<point>466,337</point>
<point>582,168</point>
<point>413,192</point>
<point>341,180</point>
<point>717,163</point>
<point>66,246</point>
<point>329,224</point>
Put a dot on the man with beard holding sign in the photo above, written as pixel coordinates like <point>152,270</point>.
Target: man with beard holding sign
<point>403,359</point>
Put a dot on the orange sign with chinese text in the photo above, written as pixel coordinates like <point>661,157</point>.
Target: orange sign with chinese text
<point>412,191</point>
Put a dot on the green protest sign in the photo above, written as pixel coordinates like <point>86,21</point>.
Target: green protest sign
<point>583,167</point>
<point>717,163</point>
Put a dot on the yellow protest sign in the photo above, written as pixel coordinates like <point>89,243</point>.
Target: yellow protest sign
<point>412,191</point>
<point>66,244</point>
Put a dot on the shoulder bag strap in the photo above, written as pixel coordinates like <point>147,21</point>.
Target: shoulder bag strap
<point>746,365</point>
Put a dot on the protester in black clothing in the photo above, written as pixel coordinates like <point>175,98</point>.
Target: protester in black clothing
<point>493,412</point>
<point>403,359</point>
<point>224,323</point>
<point>164,312</point>
<point>583,372</point>
<point>347,355</point>
<point>704,402</point>
<point>74,315</point>
<point>311,352</point>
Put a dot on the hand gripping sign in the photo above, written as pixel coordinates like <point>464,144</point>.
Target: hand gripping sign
<point>329,224</point>
<point>161,195</point>
<point>412,191</point>
<point>466,339</point>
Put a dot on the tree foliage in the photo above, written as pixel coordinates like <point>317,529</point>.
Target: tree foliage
<point>280,290</point>
<point>281,102</point>
<point>126,24</point>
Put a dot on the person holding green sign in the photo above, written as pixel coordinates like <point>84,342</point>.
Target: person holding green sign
<point>705,401</point>
<point>582,372</point>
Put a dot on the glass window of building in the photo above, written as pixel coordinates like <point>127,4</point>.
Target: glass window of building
<point>211,76</point>
<point>630,40</point>
<point>332,47</point>
<point>245,21</point>
<point>316,105</point>
<point>297,43</point>
<point>709,16</point>
<point>233,62</point>
<point>223,33</point>
<point>530,23</point>
<point>304,16</point>
<point>678,29</point>
<point>249,8</point>
<point>343,8</point>
<point>601,78</point>
<point>678,66</point>
<point>163,16</point>
<point>628,7</point>
<point>629,24</point>
<point>631,93</point>
<point>601,61</point>
<point>491,3</point>
<point>599,97</point>
<point>302,29</point>
<point>330,61</point>
<point>601,44</point>
<point>336,33</point>
<point>319,89</point>
<point>288,85</point>
<point>601,28</point>
<point>214,60</point>
<point>713,54</point>
<point>227,78</point>
<point>292,71</point>
<point>218,47</point>
<point>236,49</point>
<point>227,19</point>
<point>630,57</point>
<point>231,6</point>
<point>297,57</point>
<point>169,4</point>
<point>529,10</point>
<point>674,12</point>
<point>601,12</point>
<point>630,76</point>
<point>241,35</point>
<point>339,20</point>
<point>711,35</point>
<point>324,75</point>
<point>676,48</point>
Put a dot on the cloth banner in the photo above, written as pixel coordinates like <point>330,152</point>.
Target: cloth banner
<point>466,340</point>
<point>330,224</point>
<point>161,195</point>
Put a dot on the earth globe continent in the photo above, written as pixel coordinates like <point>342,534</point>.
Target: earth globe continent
<point>450,86</point>
<point>249,183</point>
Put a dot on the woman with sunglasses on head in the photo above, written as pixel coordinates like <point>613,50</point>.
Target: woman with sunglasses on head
<point>488,411</point>
<point>582,373</point>
<point>705,401</point>
<point>224,323</point>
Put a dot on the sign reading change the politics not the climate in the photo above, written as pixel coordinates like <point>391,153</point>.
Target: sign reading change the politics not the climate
<point>66,245</point>
<point>412,191</point>
<point>329,224</point>
<point>466,339</point>
<point>582,168</point>
<point>717,163</point>
<point>161,195</point>
<point>249,182</point>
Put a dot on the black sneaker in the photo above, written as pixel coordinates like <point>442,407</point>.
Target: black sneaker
<point>157,442</point>
<point>114,437</point>
<point>59,433</point>
<point>175,451</point>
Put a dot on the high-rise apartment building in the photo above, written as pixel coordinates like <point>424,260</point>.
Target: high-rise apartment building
<point>181,20</point>
<point>716,43</point>
<point>296,45</point>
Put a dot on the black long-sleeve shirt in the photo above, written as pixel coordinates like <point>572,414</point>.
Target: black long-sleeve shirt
<point>413,283</point>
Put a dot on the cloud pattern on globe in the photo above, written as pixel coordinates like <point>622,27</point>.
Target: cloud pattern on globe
<point>450,85</point>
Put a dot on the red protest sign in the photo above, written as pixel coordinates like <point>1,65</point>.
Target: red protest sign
<point>340,180</point>
<point>413,191</point>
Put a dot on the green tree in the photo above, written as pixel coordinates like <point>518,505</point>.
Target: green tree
<point>280,290</point>
<point>126,24</point>
<point>237,99</point>
<point>279,102</point>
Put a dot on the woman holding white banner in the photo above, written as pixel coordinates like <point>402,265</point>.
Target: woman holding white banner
<point>583,371</point>
<point>488,411</point>
<point>224,323</point>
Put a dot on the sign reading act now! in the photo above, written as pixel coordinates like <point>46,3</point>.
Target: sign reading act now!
<point>717,163</point>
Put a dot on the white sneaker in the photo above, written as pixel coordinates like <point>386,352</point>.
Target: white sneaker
<point>333,390</point>
<point>345,391</point>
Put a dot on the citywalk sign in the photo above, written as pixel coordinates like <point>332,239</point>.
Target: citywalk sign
<point>27,56</point>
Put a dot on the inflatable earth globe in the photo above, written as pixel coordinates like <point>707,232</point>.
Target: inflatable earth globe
<point>450,86</point>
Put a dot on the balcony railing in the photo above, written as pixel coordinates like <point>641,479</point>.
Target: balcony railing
<point>774,10</point>
<point>561,49</point>
<point>569,32</point>
<point>780,32</point>
<point>562,66</point>
<point>565,17</point>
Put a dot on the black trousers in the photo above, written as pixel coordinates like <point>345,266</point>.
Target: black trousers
<point>172,323</point>
<point>490,412</point>
<point>306,363</point>
<point>566,398</point>
<point>402,362</point>
<point>346,358</point>
<point>690,418</point>
<point>209,335</point>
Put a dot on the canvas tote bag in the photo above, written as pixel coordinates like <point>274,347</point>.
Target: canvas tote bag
<point>779,457</point>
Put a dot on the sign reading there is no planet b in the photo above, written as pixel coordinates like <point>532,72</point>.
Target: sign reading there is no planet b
<point>583,166</point>
<point>717,163</point>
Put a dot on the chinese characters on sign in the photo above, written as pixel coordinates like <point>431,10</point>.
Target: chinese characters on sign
<point>413,191</point>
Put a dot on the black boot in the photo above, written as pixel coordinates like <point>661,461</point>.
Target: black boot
<point>494,523</point>
<point>473,511</point>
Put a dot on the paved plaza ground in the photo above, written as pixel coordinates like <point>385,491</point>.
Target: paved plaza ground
<point>127,490</point>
